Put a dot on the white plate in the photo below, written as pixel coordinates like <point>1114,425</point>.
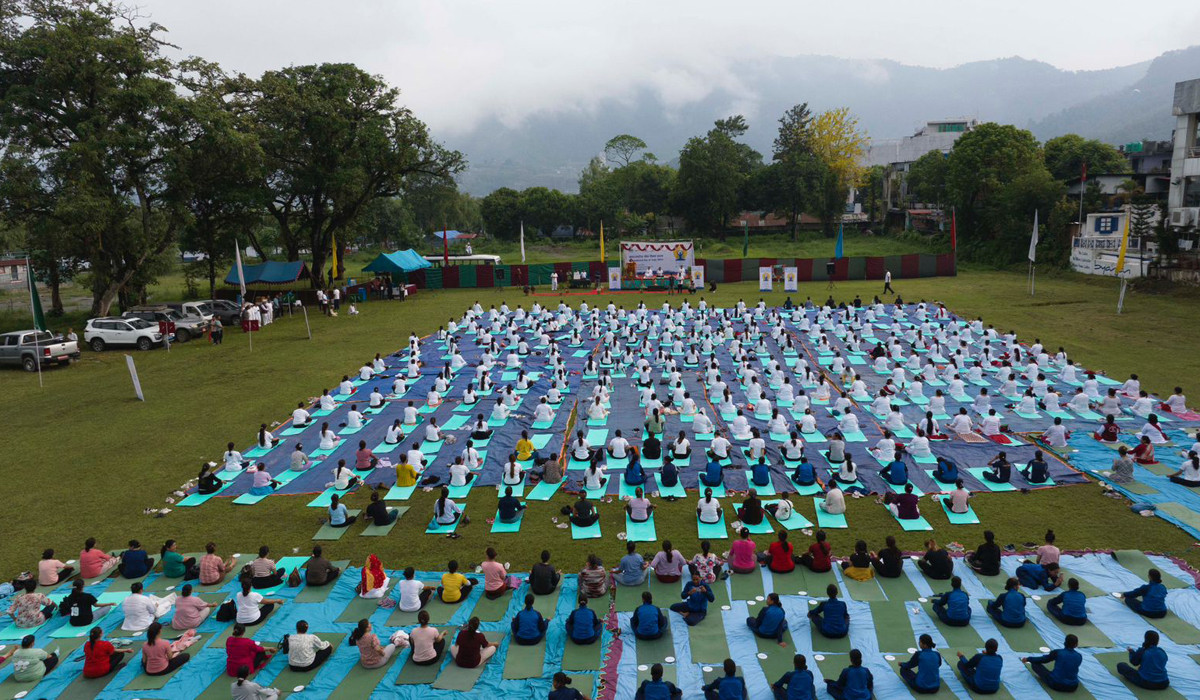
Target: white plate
<point>762,655</point>
<point>914,557</point>
<point>889,657</point>
<point>1116,595</point>
<point>724,607</point>
<point>297,689</point>
<point>751,602</point>
<point>170,588</point>
<point>669,659</point>
<point>819,657</point>
<point>812,602</point>
<point>643,667</point>
<point>1045,650</point>
<point>758,597</point>
<point>801,592</point>
<point>922,600</point>
<point>912,650</point>
<point>70,561</point>
<point>708,669</point>
<point>1037,597</point>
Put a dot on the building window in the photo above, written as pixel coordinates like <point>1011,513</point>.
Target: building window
<point>944,128</point>
<point>16,274</point>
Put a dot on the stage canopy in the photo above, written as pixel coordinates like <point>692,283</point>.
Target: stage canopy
<point>269,273</point>
<point>397,262</point>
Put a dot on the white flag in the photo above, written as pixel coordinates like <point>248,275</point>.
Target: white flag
<point>237,253</point>
<point>1033,241</point>
<point>522,241</point>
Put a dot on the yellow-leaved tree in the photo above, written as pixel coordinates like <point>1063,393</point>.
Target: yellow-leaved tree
<point>836,138</point>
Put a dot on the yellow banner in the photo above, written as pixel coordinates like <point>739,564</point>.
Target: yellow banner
<point>1124,245</point>
<point>602,258</point>
<point>333,245</point>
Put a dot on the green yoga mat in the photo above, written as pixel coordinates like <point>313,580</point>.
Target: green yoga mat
<point>512,527</point>
<point>830,666</point>
<point>950,656</point>
<point>583,657</point>
<point>433,528</point>
<point>978,472</point>
<point>826,520</point>
<point>381,530</point>
<point>965,637</point>
<point>1089,635</point>
<point>524,661</point>
<point>1110,661</point>
<point>746,586</point>
<point>893,628</point>
<point>545,604</point>
<point>288,679</point>
<point>544,491</point>
<point>1139,564</point>
<point>328,532</point>
<point>492,610</point>
<point>827,644</point>
<point>653,651</point>
<point>779,659</point>
<point>359,682</point>
<point>319,594</point>
<point>712,531</point>
<point>640,532</point>
<point>913,525</point>
<point>413,674</point>
<point>598,493</point>
<point>943,693</point>
<point>644,675</point>
<point>591,532</point>
<point>790,583</point>
<point>707,639</point>
<point>1087,588</point>
<point>1176,629</point>
<point>358,608</point>
<point>88,688</point>
<point>440,613</point>
<point>994,584</point>
<point>866,591</point>
<point>898,589</point>
<point>453,677</point>
<point>1022,639</point>
<point>968,518</point>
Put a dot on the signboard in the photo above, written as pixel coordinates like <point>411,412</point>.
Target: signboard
<point>659,257</point>
<point>614,278</point>
<point>698,276</point>
<point>765,280</point>
<point>791,279</point>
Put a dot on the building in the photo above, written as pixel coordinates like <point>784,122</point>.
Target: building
<point>1095,249</point>
<point>1148,157</point>
<point>1183,198</point>
<point>14,272</point>
<point>896,155</point>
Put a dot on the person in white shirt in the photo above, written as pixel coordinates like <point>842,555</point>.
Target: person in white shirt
<point>1079,402</point>
<point>346,387</point>
<point>252,607</point>
<point>141,610</point>
<point>513,475</point>
<point>596,411</point>
<point>343,477</point>
<point>300,417</point>
<point>414,594</point>
<point>885,449</point>
<point>708,509</point>
<point>233,458</point>
<point>411,415</point>
<point>326,401</point>
<point>702,425</point>
<point>982,402</point>
<point>1056,435</point>
<point>1177,402</point>
<point>394,433</point>
<point>757,447</point>
<point>848,423</point>
<point>1131,387</point>
<point>460,474</point>
<point>1143,406</point>
<point>329,439</point>
<point>543,413</point>
<point>961,422</point>
<point>1153,430</point>
<point>991,423</point>
<point>835,501</point>
<point>1111,404</point>
<point>416,457</point>
<point>581,451</point>
<point>618,446</point>
<point>740,427</point>
<point>470,456</point>
<point>306,651</point>
<point>593,476</point>
<point>432,432</point>
<point>366,372</point>
<point>500,412</point>
<point>354,418</point>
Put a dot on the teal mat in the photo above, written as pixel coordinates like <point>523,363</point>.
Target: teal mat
<point>591,532</point>
<point>640,532</point>
<point>968,518</point>
<point>544,491</point>
<point>400,493</point>
<point>768,490</point>
<point>325,498</point>
<point>913,525</point>
<point>828,520</point>
<point>434,529</point>
<point>541,440</point>
<point>762,528</point>
<point>455,422</point>
<point>498,526</point>
<point>712,531</point>
<point>597,437</point>
<point>195,499</point>
<point>978,472</point>
<point>599,493</point>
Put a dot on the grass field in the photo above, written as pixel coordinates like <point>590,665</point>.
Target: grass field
<point>86,449</point>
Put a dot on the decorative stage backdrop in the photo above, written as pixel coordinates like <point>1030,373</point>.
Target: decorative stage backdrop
<point>719,271</point>
<point>671,256</point>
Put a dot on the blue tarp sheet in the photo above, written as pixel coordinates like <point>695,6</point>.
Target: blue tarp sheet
<point>268,273</point>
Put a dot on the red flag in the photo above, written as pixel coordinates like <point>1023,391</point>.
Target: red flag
<point>1083,178</point>
<point>953,231</point>
<point>445,246</point>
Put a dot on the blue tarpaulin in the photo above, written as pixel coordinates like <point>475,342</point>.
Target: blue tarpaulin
<point>268,273</point>
<point>397,262</point>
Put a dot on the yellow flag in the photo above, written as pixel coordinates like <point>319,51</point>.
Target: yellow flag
<point>334,257</point>
<point>602,258</point>
<point>1124,245</point>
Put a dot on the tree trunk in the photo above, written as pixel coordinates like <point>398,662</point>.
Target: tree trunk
<point>212,276</point>
<point>56,305</point>
<point>318,268</point>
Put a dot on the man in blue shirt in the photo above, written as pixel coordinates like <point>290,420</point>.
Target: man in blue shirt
<point>134,561</point>
<point>656,688</point>
<point>728,687</point>
<point>804,474</point>
<point>796,684</point>
<point>648,622</point>
<point>954,606</point>
<point>1149,600</point>
<point>1070,606</point>
<point>946,471</point>
<point>831,617</point>
<point>528,625</point>
<point>760,473</point>
<point>631,570</point>
<point>696,596</point>
<point>1147,667</point>
<point>855,681</point>
<point>896,473</point>
<point>712,475</point>
<point>583,626</point>
<point>1065,676</point>
<point>981,672</point>
<point>509,507</point>
<point>1008,608</point>
<point>927,662</point>
<point>771,622</point>
<point>1035,576</point>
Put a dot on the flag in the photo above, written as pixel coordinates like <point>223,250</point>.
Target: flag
<point>1124,246</point>
<point>522,241</point>
<point>445,245</point>
<point>35,302</point>
<point>602,258</point>
<point>953,231</point>
<point>837,249</point>
<point>237,253</point>
<point>333,249</point>
<point>1083,177</point>
<point>1034,239</point>
<point>746,239</point>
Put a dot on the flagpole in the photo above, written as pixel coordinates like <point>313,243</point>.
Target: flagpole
<point>1082,187</point>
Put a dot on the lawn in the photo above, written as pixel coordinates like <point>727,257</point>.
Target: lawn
<point>84,447</point>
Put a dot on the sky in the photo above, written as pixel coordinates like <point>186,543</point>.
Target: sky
<point>458,62</point>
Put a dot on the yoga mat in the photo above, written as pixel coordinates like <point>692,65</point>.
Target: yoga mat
<point>825,644</point>
<point>994,584</point>
<point>435,529</point>
<point>898,589</point>
<point>1175,628</point>
<point>676,491</point>
<point>598,493</point>
<point>950,656</point>
<point>144,682</point>
<point>912,525</point>
<point>828,520</point>
<point>541,440</point>
<point>597,436</point>
<point>319,594</point>
<point>747,587</point>
<point>498,526</point>
<point>707,639</point>
<point>712,531</point>
<point>360,607</point>
<point>294,430</point>
<point>968,518</point>
<point>1022,639</point>
<point>654,651</point>
<point>965,637</point>
<point>943,692</point>
<point>978,472</point>
<point>524,661</point>
<point>195,499</point>
<point>324,499</point>
<point>1139,564</point>
<point>762,528</point>
<point>378,530</point>
<point>455,422</point>
<point>282,479</point>
<point>460,492</point>
<point>900,489</point>
<point>640,532</point>
<point>1089,635</point>
<point>893,629</point>
<point>544,491</point>
<point>768,490</point>
<point>625,491</point>
<point>867,591</point>
<point>855,437</point>
<point>1085,587</point>
<point>328,532</point>
<point>316,454</point>
<point>615,462</point>
<point>353,431</point>
<point>432,448</point>
<point>400,493</point>
<point>1111,659</point>
<point>830,667</point>
<point>359,682</point>
<point>454,677</point>
<point>583,657</point>
<point>384,448</point>
<point>413,674</point>
<point>590,532</point>
<point>779,659</point>
<point>287,678</point>
<point>796,522</point>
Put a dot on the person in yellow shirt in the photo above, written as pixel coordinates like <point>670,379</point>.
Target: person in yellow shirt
<point>405,474</point>
<point>525,447</point>
<point>455,587</point>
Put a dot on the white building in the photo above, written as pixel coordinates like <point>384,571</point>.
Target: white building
<point>1183,198</point>
<point>1095,250</point>
<point>896,155</point>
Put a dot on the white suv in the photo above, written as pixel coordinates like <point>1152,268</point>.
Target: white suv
<point>102,332</point>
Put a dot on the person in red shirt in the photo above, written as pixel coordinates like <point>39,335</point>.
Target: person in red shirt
<point>100,658</point>
<point>780,556</point>
<point>1109,432</point>
<point>471,648</point>
<point>817,557</point>
<point>242,651</point>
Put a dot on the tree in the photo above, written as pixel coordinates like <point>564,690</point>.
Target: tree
<point>793,182</point>
<point>544,209</point>
<point>90,118</point>
<point>334,138</point>
<point>712,171</point>
<point>927,177</point>
<point>840,145</point>
<point>501,211</point>
<point>621,149</point>
<point>1065,156</point>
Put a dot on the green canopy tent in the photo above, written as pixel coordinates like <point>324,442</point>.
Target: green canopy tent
<point>397,265</point>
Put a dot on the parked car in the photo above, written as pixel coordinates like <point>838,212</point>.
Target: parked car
<point>28,348</point>
<point>99,333</point>
<point>191,308</point>
<point>171,322</point>
<point>229,312</point>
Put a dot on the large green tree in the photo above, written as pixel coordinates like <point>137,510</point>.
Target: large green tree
<point>926,177</point>
<point>1066,154</point>
<point>712,171</point>
<point>334,138</point>
<point>792,183</point>
<point>501,212</point>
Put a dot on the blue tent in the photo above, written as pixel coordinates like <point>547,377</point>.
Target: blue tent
<point>398,262</point>
<point>268,273</point>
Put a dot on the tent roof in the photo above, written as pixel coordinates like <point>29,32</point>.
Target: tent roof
<point>399,261</point>
<point>268,273</point>
<point>452,235</point>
